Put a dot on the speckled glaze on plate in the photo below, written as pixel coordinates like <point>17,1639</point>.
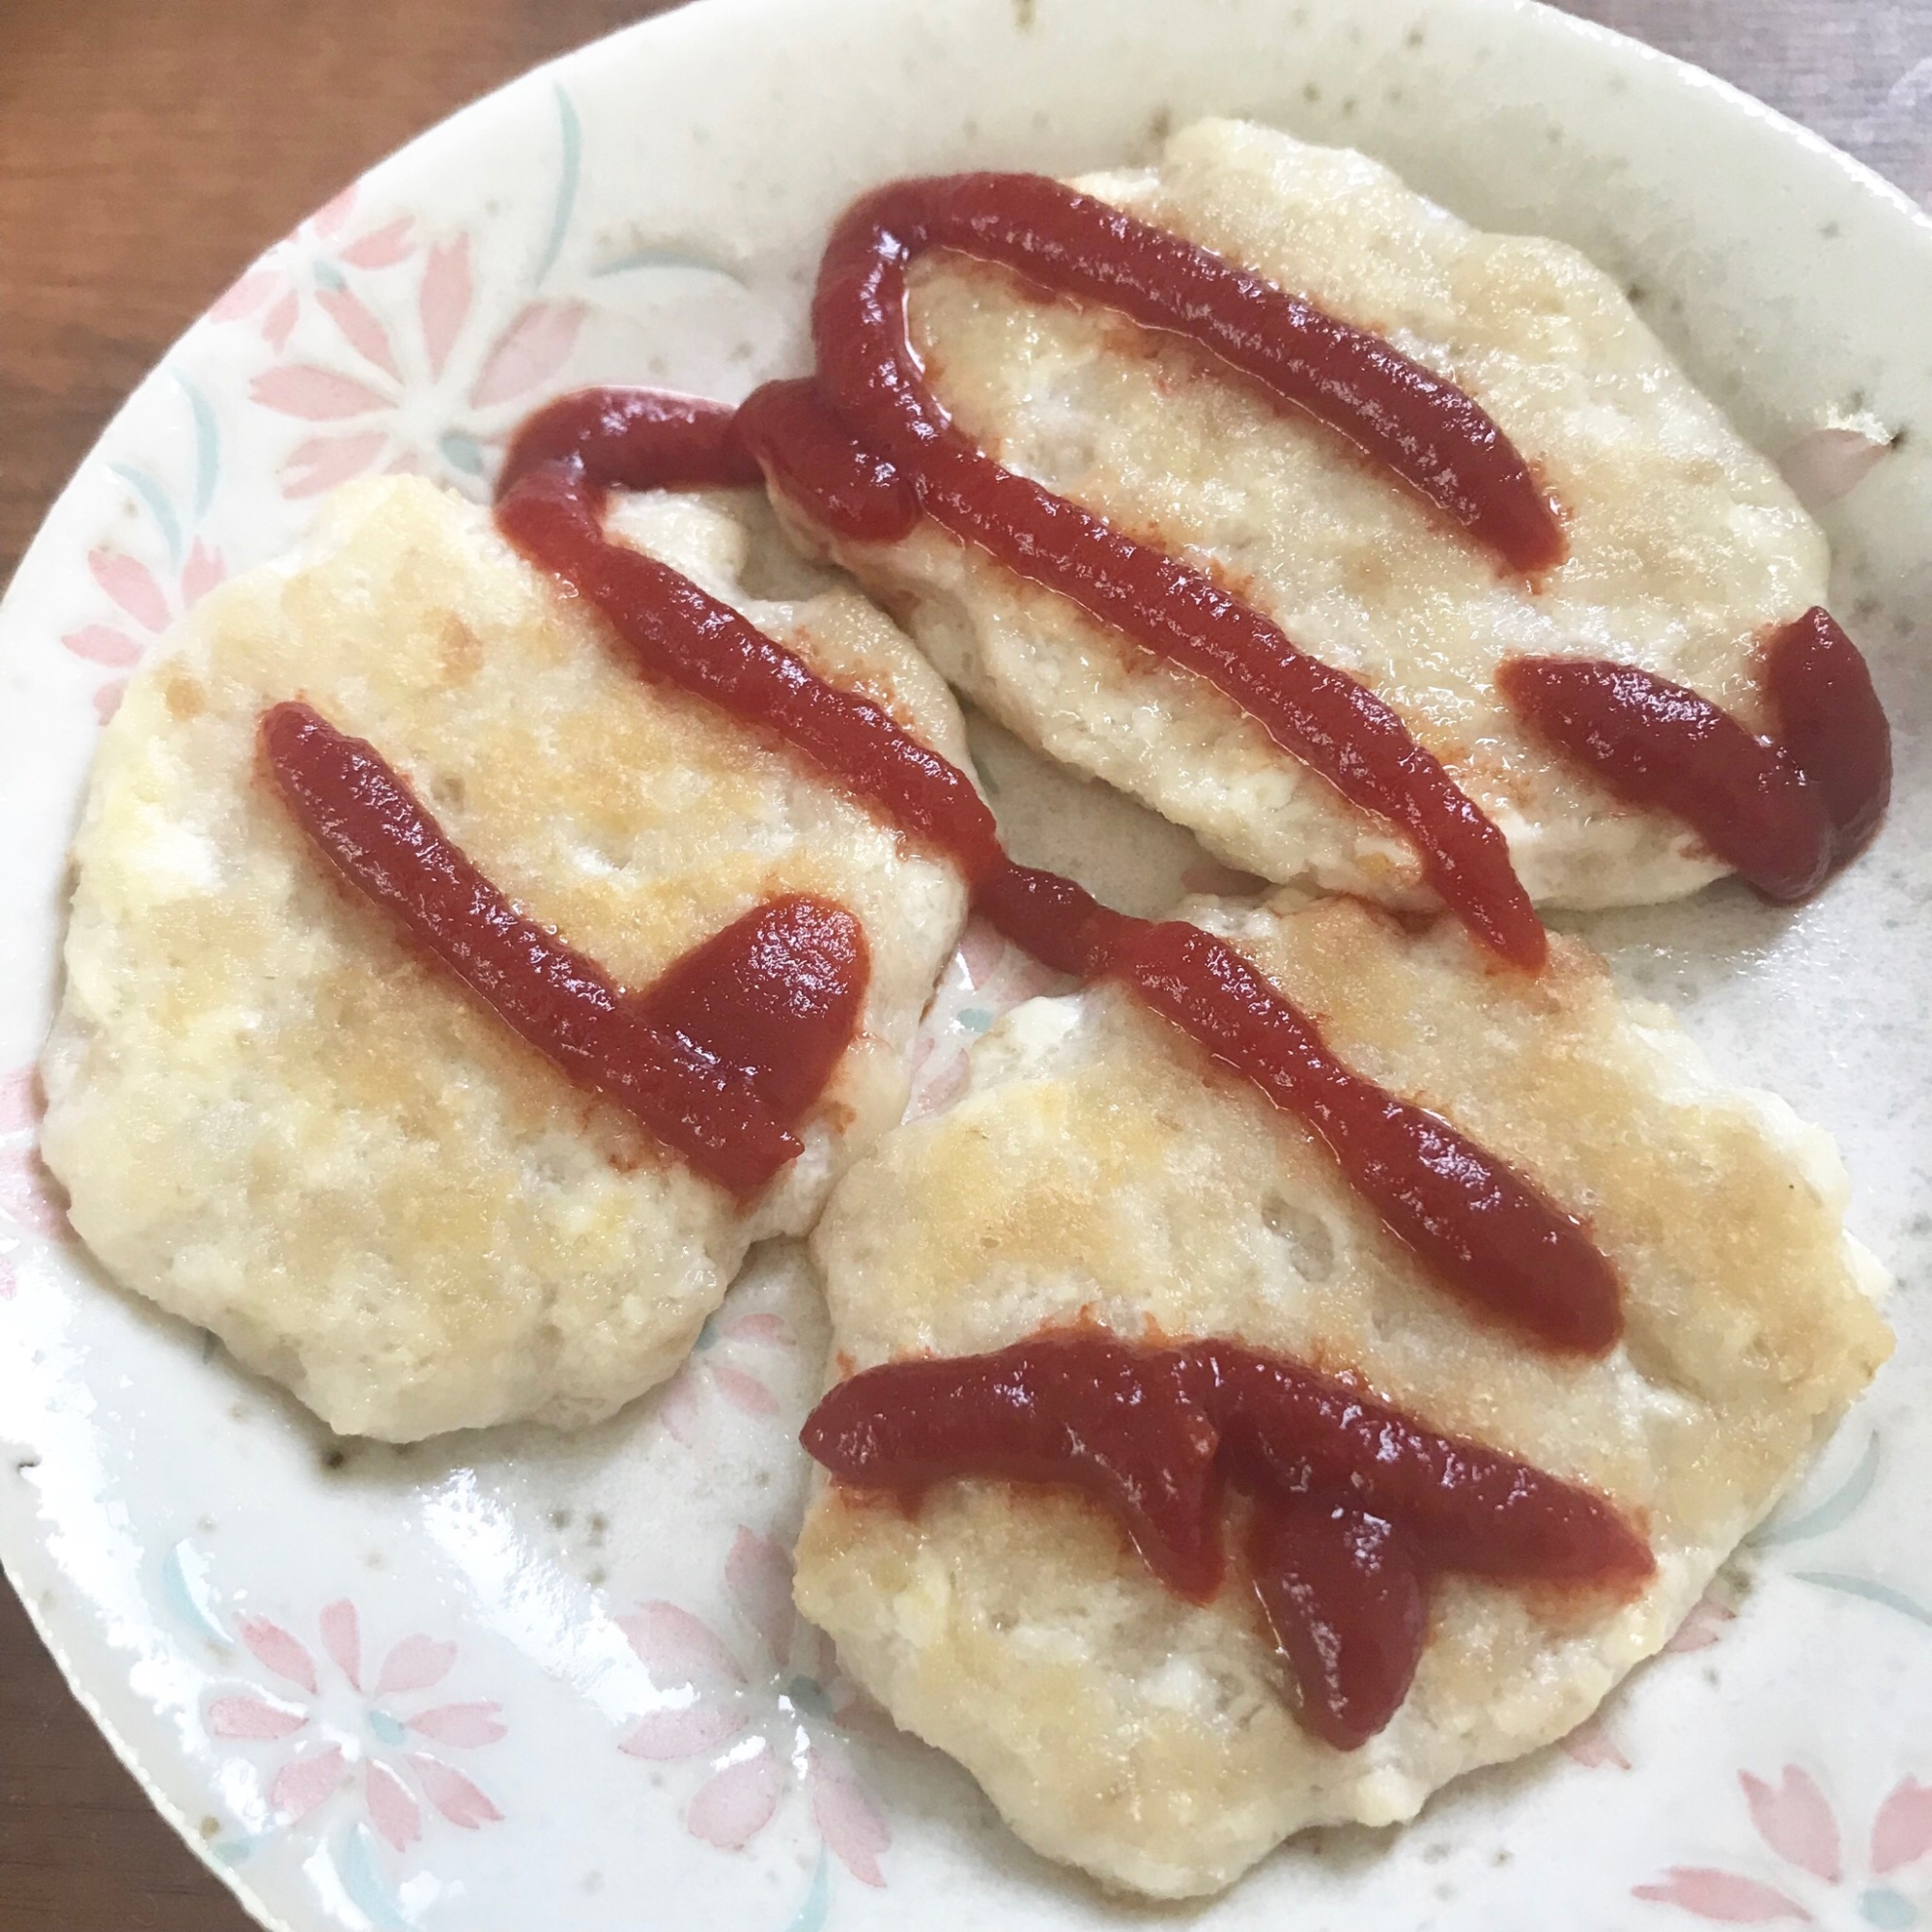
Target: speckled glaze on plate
<point>508,1680</point>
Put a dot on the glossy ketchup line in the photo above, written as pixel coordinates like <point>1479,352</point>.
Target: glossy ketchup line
<point>877,450</point>
<point>1786,812</point>
<point>1321,715</point>
<point>1476,1227</point>
<point>1357,1505</point>
<point>678,635</point>
<point>1481,1230</point>
<point>717,1058</point>
<point>1419,426</point>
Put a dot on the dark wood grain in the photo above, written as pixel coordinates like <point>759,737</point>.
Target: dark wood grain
<point>146,151</point>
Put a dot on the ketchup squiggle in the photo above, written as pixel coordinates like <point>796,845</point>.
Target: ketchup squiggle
<point>1357,1506</point>
<point>870,449</point>
<point>1419,426</point>
<point>1475,1226</point>
<point>719,1059</point>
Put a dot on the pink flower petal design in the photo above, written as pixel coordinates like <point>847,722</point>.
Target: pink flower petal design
<point>942,1086</point>
<point>305,1784</point>
<point>1903,1829</point>
<point>359,327</point>
<point>443,299</point>
<point>469,1726</point>
<point>1703,1626</point>
<point>102,644</point>
<point>735,1805</point>
<point>108,698</point>
<point>677,1649</point>
<point>324,461</point>
<point>414,1664</point>
<point>200,573</point>
<point>250,1718</point>
<point>758,1575</point>
<point>1794,1820</point>
<point>132,586</point>
<point>315,394</point>
<point>743,1392</point>
<point>279,323</point>
<point>534,346</point>
<point>1827,465</point>
<point>246,294</point>
<point>1591,1744</point>
<point>392,1809</point>
<point>452,1793</point>
<point>981,947</point>
<point>858,1715</point>
<point>757,1328</point>
<point>665,1735</point>
<point>342,1640</point>
<point>27,1195</point>
<point>381,248</point>
<point>17,1102</point>
<point>680,1411</point>
<point>852,1823</point>
<point>285,1655</point>
<point>1722,1896</point>
<point>328,220</point>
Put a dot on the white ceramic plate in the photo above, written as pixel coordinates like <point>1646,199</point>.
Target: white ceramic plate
<point>512,1680</point>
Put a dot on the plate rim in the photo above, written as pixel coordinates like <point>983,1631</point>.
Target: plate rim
<point>1692,88</point>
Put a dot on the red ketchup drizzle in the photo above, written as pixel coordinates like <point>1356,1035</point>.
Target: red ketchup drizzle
<point>1831,725</point>
<point>1423,428</point>
<point>1358,1504</point>
<point>678,635</point>
<point>1785,813</point>
<point>1414,423</point>
<point>1474,1224</point>
<point>1346,1599</point>
<point>642,438</point>
<point>1478,1227</point>
<point>719,1059</point>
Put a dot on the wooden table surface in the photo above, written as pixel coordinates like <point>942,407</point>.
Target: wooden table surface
<point>139,172</point>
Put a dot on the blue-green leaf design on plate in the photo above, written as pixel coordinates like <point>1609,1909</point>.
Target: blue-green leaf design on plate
<point>811,1917</point>
<point>462,451</point>
<point>571,135</point>
<point>185,1585</point>
<point>356,1864</point>
<point>667,258</point>
<point>387,1729</point>
<point>1835,1510</point>
<point>159,508</point>
<point>806,1697</point>
<point>329,276</point>
<point>1871,1591</point>
<point>1886,1909</point>
<point>207,447</point>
